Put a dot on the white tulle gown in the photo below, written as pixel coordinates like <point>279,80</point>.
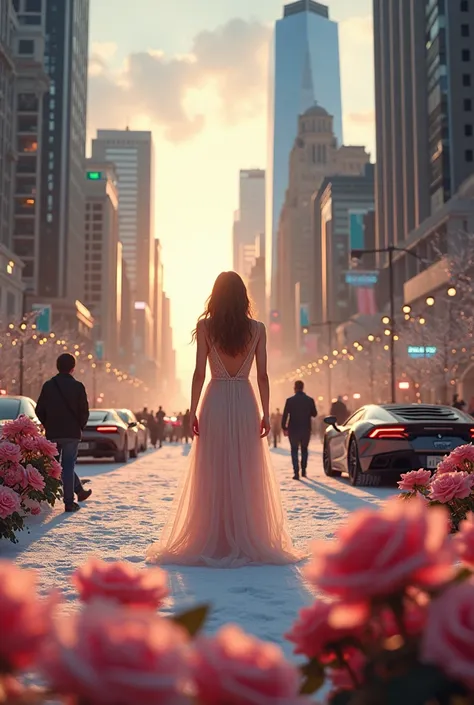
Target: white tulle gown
<point>229,513</point>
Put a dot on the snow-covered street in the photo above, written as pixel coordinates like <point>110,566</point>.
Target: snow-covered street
<point>128,508</point>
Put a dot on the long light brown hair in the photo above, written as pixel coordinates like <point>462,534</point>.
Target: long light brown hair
<point>228,315</point>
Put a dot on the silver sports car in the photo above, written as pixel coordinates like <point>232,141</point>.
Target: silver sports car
<point>392,438</point>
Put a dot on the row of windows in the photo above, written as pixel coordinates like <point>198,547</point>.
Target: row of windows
<point>94,206</point>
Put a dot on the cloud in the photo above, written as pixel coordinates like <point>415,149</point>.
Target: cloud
<point>230,62</point>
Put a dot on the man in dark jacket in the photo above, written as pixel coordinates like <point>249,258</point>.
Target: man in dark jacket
<point>340,411</point>
<point>63,410</point>
<point>300,409</point>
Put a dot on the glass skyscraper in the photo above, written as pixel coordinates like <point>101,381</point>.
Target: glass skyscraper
<point>304,70</point>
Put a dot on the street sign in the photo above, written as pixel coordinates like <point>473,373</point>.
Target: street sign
<point>355,277</point>
<point>94,175</point>
<point>43,319</point>
<point>417,351</point>
<point>99,350</point>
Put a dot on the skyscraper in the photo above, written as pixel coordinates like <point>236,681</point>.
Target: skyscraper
<point>424,97</point>
<point>61,232</point>
<point>249,224</point>
<point>132,154</point>
<point>304,71</point>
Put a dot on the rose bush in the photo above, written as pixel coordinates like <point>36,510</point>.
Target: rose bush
<point>407,638</point>
<point>451,486</point>
<point>30,476</point>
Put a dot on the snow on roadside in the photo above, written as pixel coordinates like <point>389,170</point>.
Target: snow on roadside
<point>128,508</point>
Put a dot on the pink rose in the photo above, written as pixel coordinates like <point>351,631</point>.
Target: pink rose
<point>54,470</point>
<point>445,466</point>
<point>14,475</point>
<point>235,668</point>
<point>35,478</point>
<point>463,457</point>
<point>28,445</point>
<point>20,427</point>
<point>320,627</point>
<point>9,453</point>
<point>414,620</point>
<point>10,502</point>
<point>451,485</point>
<point>45,447</point>
<point>382,552</point>
<point>106,655</point>
<point>121,582</point>
<point>24,619</point>
<point>448,640</point>
<point>464,541</point>
<point>411,481</point>
<point>32,505</point>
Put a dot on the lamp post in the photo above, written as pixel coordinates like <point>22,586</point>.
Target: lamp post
<point>390,250</point>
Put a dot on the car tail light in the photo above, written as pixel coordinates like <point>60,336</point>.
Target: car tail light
<point>388,433</point>
<point>107,429</point>
<point>472,434</point>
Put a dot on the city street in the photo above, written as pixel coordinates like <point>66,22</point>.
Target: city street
<point>128,508</point>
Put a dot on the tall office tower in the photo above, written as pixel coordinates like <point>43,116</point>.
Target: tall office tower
<point>450,75</point>
<point>31,85</point>
<point>249,223</point>
<point>8,29</point>
<point>158,307</point>
<point>424,93</point>
<point>304,71</point>
<point>132,154</point>
<point>61,232</point>
<point>10,267</point>
<point>102,288</point>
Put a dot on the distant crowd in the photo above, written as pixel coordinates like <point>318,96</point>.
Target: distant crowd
<point>161,427</point>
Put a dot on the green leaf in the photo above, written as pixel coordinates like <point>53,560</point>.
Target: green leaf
<point>463,575</point>
<point>193,620</point>
<point>344,697</point>
<point>313,677</point>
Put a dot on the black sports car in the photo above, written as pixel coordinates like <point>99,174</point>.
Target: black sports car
<point>393,438</point>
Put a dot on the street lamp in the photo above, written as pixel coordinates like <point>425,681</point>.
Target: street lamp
<point>406,309</point>
<point>452,291</point>
<point>390,250</point>
<point>430,301</point>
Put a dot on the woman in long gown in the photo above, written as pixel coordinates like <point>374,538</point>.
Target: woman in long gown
<point>230,512</point>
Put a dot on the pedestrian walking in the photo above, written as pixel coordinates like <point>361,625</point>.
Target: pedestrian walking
<point>275,422</point>
<point>340,411</point>
<point>153,429</point>
<point>458,403</point>
<point>296,423</point>
<point>186,429</point>
<point>63,409</point>
<point>160,423</point>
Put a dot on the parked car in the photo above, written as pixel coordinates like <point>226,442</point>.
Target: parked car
<point>129,417</point>
<point>389,439</point>
<point>107,436</point>
<point>11,407</point>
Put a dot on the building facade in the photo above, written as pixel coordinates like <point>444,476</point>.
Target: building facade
<point>8,31</point>
<point>132,154</point>
<point>102,282</point>
<point>315,155</point>
<point>304,69</point>
<point>340,209</point>
<point>424,94</point>
<point>249,223</point>
<point>126,352</point>
<point>61,232</point>
<point>32,84</point>
<point>158,310</point>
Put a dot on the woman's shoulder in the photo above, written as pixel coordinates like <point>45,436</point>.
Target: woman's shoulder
<point>259,326</point>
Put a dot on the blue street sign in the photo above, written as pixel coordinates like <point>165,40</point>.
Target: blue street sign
<point>43,319</point>
<point>362,279</point>
<point>417,351</point>
<point>99,350</point>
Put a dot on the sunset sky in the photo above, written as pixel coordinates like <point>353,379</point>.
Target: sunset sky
<point>195,73</point>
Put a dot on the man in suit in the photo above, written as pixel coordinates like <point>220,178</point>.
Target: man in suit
<point>300,409</point>
<point>63,410</point>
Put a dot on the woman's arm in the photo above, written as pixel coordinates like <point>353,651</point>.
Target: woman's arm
<point>262,379</point>
<point>199,371</point>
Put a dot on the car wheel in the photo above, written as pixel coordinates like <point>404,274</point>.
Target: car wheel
<point>123,456</point>
<point>356,476</point>
<point>327,465</point>
<point>134,452</point>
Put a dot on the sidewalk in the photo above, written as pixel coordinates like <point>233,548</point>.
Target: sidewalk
<point>128,508</point>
